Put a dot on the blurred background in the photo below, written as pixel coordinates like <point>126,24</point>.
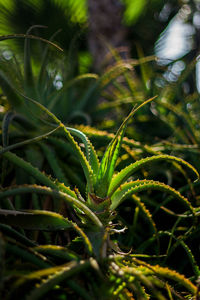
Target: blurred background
<point>168,29</point>
<point>168,32</point>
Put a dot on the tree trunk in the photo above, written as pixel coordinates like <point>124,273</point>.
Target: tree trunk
<point>106,29</point>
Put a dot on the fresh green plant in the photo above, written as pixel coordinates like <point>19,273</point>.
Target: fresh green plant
<point>56,84</point>
<point>75,101</point>
<point>91,265</point>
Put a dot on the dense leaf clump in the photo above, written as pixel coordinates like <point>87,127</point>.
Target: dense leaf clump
<point>85,213</point>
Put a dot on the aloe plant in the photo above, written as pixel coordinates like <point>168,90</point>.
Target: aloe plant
<point>92,219</point>
<point>75,101</point>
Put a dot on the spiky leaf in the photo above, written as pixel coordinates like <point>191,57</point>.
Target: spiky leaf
<point>125,173</point>
<point>34,220</point>
<point>68,197</point>
<point>111,155</point>
<point>132,187</point>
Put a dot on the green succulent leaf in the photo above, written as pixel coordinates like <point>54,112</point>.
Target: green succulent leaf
<point>67,196</point>
<point>34,219</point>
<point>91,154</point>
<point>111,155</point>
<point>167,273</point>
<point>57,252</point>
<point>145,211</point>
<point>133,187</point>
<point>76,148</point>
<point>85,238</point>
<point>125,173</point>
<point>52,277</point>
<point>36,173</point>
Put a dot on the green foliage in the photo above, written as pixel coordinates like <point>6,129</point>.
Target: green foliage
<point>116,223</point>
<point>133,10</point>
<point>34,220</point>
<point>56,269</point>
